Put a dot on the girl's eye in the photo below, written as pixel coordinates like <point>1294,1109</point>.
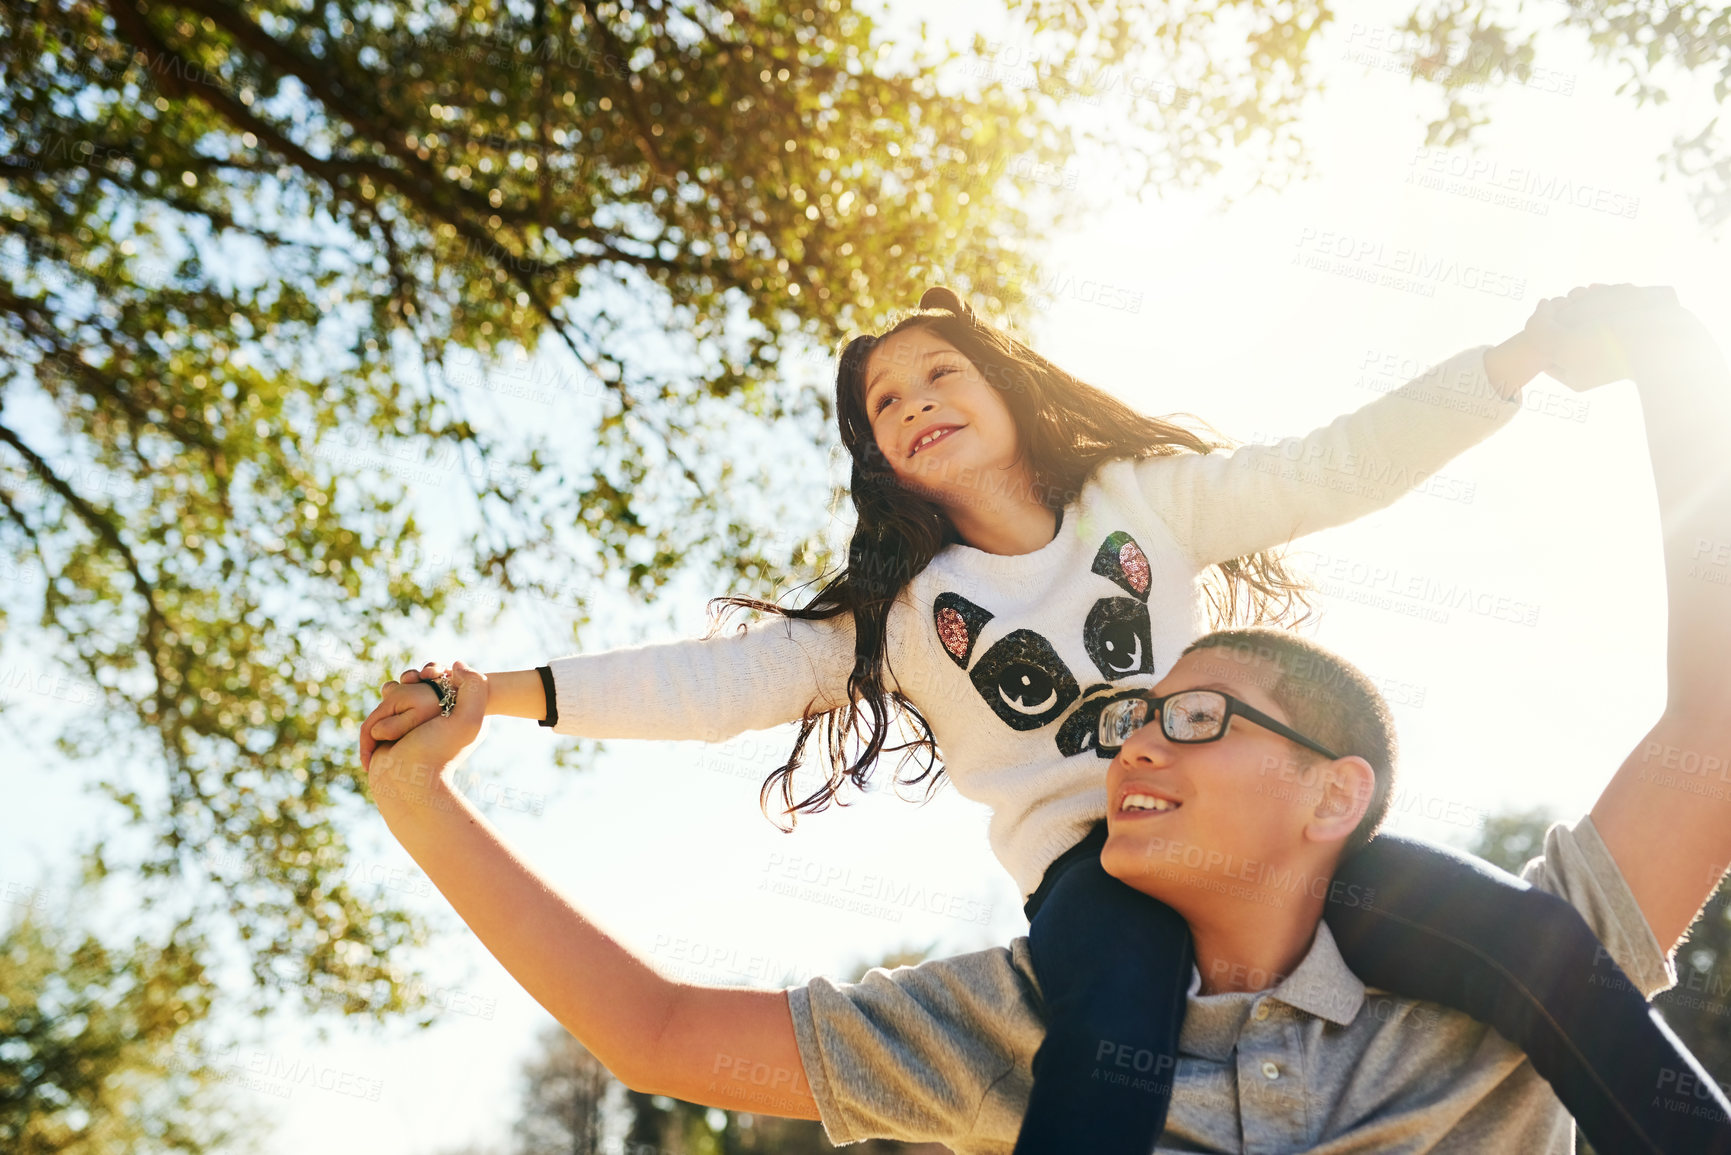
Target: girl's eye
<point>885,400</point>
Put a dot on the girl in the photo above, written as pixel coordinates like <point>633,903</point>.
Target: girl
<point>1028,550</point>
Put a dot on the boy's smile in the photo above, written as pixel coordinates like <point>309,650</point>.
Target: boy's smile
<point>1139,799</point>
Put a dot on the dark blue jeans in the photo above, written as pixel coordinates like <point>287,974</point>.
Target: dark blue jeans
<point>1419,920</point>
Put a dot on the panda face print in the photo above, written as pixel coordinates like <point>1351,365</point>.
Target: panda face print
<point>1116,635</point>
<point>1024,681</point>
<point>1022,678</point>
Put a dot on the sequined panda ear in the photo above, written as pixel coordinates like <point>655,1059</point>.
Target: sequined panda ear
<point>959,622</point>
<point>1122,562</point>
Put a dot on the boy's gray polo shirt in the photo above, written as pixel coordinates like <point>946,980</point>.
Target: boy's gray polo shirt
<point>943,1051</point>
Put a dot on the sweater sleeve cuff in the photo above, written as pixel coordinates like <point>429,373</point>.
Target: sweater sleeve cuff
<point>568,691</point>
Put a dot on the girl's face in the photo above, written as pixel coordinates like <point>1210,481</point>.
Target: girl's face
<point>943,428</point>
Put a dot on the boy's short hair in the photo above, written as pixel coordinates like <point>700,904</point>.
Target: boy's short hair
<point>1326,698</point>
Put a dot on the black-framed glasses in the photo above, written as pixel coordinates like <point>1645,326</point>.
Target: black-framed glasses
<point>1190,716</point>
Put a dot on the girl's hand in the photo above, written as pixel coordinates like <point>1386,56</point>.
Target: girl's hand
<point>1532,351</point>
<point>1603,333</point>
<point>429,750</point>
<point>404,705</point>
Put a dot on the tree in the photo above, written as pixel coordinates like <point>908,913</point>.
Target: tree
<point>1469,52</point>
<point>1513,839</point>
<point>247,250</point>
<point>567,1090</point>
<point>1253,78</point>
<point>254,256</point>
<point>1698,1008</point>
<point>98,1046</point>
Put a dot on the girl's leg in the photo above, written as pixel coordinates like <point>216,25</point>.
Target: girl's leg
<point>1113,966</point>
<point>1431,923</point>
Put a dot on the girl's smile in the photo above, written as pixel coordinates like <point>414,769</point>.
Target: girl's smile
<point>933,434</point>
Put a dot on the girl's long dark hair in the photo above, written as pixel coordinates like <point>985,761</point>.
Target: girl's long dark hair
<point>1067,429</point>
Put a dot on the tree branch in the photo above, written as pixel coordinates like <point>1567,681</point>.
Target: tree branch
<point>156,625</point>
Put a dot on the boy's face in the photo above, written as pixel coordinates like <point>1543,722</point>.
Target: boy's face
<point>1244,819</point>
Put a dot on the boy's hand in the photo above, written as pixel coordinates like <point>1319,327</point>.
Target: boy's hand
<point>404,705</point>
<point>1604,333</point>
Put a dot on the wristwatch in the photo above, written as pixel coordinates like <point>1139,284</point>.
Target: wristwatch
<point>546,673</point>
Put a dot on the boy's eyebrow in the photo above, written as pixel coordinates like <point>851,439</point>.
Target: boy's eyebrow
<point>1221,686</point>
<point>870,385</point>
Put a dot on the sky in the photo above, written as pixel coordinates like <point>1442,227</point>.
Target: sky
<point>1268,320</point>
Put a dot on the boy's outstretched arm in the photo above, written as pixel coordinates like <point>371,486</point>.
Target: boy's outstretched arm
<point>717,1046</point>
<point>1666,814</point>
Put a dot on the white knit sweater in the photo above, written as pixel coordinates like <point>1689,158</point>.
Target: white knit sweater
<point>1010,658</point>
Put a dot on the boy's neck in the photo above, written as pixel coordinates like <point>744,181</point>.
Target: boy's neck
<point>1244,945</point>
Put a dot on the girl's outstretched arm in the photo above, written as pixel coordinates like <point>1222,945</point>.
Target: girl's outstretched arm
<point>710,689</point>
<point>721,1047</point>
<point>1227,505</point>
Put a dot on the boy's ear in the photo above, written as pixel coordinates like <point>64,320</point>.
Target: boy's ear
<point>1347,785</point>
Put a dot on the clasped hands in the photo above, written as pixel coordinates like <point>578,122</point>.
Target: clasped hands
<point>1602,333</point>
<point>406,730</point>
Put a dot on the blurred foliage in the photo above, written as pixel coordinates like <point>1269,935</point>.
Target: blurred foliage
<point>1511,840</point>
<point>1474,52</point>
<point>260,262</point>
<point>99,1047</point>
<point>248,252</point>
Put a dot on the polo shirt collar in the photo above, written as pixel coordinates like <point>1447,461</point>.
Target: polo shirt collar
<point>1321,985</point>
